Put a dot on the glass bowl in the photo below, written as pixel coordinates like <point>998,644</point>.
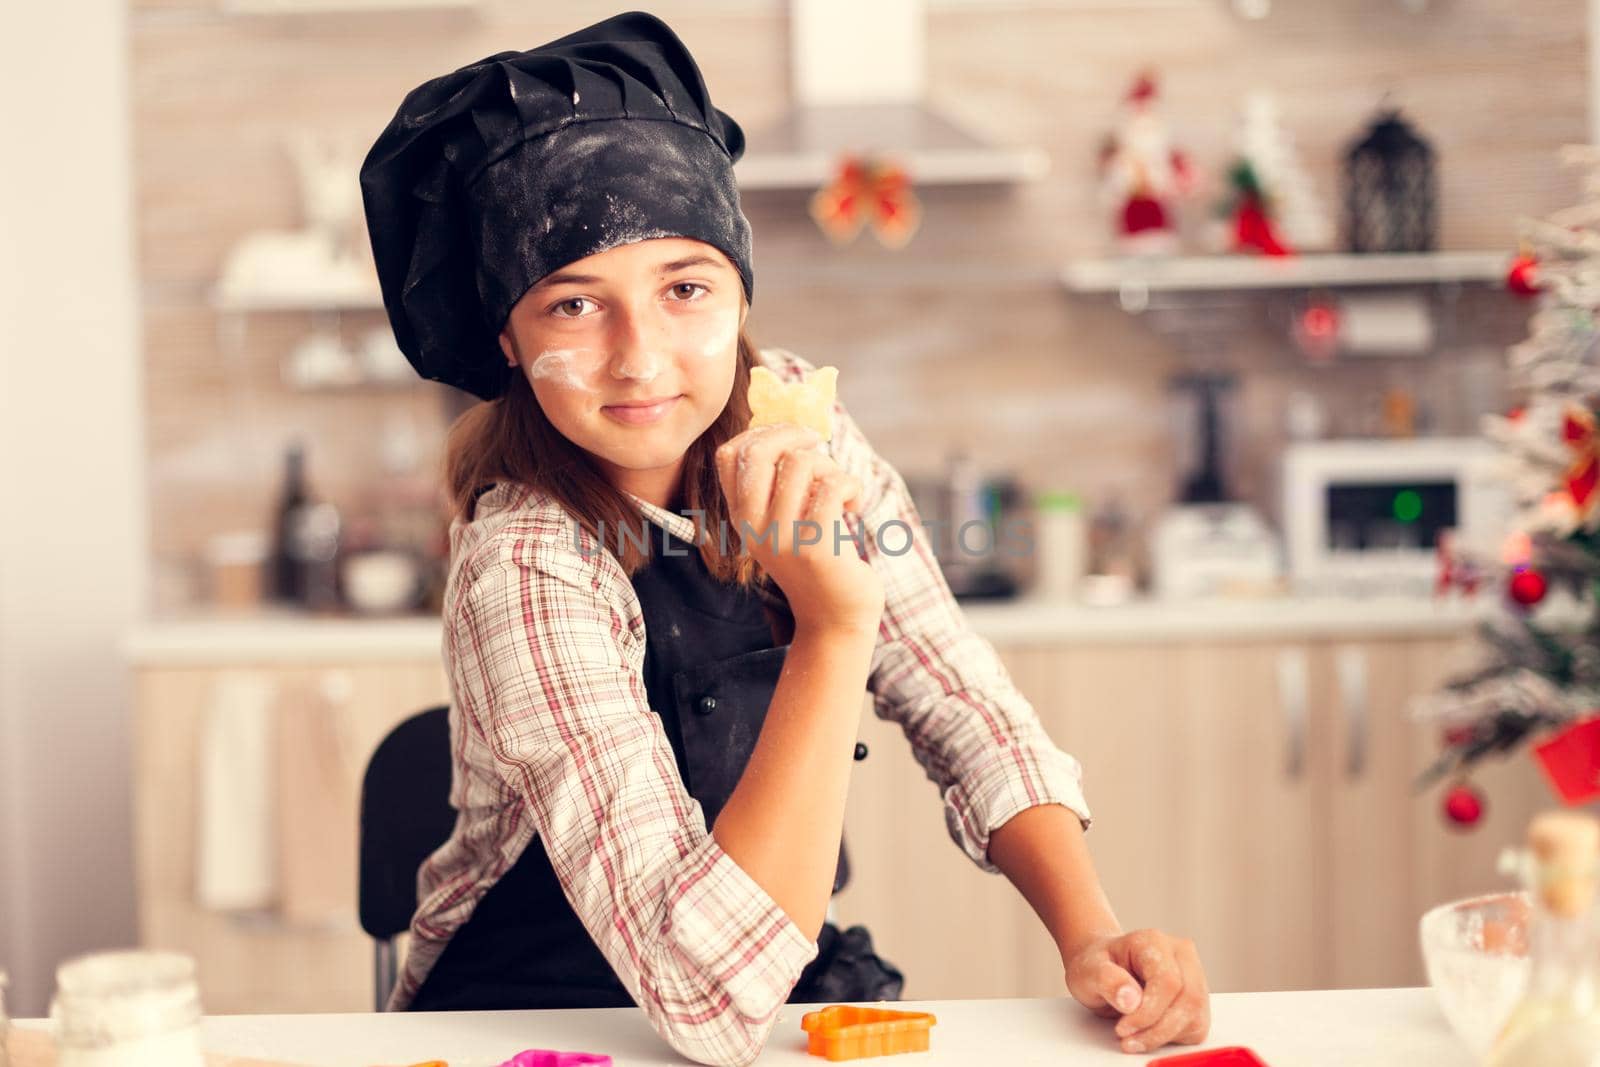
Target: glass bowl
<point>1476,953</point>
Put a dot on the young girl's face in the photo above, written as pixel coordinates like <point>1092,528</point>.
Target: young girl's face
<point>631,354</point>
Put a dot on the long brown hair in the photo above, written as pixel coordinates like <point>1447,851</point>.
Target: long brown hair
<point>509,439</point>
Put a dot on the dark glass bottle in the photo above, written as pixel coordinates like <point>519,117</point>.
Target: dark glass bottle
<point>285,580</point>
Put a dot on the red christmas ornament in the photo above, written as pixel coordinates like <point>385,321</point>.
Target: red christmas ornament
<point>1523,277</point>
<point>1463,805</point>
<point>1528,587</point>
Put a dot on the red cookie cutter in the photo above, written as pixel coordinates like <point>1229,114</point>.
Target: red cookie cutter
<point>1232,1056</point>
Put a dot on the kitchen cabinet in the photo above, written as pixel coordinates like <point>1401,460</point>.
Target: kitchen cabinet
<point>1366,753</point>
<point>931,913</point>
<point>304,950</point>
<point>1199,828</point>
<point>1197,831</point>
<point>1390,853</point>
<point>1251,790</point>
<point>1250,875</point>
<point>1253,795</point>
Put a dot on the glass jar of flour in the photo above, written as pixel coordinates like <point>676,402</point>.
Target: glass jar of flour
<point>127,1009</point>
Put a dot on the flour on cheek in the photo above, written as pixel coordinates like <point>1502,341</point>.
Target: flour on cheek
<point>566,368</point>
<point>719,339</point>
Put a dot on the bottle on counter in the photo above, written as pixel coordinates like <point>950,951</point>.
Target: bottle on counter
<point>127,1009</point>
<point>1113,555</point>
<point>1061,544</point>
<point>283,577</point>
<point>303,563</point>
<point>964,505</point>
<point>1557,1021</point>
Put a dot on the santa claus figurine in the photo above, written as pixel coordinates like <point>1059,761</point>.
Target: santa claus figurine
<point>1143,176</point>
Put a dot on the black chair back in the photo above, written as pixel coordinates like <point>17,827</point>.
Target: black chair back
<point>405,815</point>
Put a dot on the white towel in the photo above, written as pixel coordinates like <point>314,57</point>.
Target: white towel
<point>235,845</point>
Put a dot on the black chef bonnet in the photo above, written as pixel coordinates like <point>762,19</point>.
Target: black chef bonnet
<point>492,177</point>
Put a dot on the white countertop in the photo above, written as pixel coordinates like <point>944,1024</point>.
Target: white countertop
<point>282,637</point>
<point>1370,1027</point>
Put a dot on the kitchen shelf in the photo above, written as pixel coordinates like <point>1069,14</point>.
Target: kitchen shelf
<point>341,7</point>
<point>369,384</point>
<point>358,296</point>
<point>1311,271</point>
<point>803,149</point>
<point>327,298</point>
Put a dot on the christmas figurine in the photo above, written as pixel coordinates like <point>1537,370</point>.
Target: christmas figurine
<point>1252,227</point>
<point>1271,207</point>
<point>1143,176</point>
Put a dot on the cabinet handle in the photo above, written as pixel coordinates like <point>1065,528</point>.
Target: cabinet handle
<point>1294,696</point>
<point>1352,668</point>
<point>336,687</point>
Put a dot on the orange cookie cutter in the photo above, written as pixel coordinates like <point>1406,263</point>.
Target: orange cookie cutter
<point>844,1032</point>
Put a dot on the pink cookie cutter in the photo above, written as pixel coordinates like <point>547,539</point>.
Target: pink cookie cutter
<point>543,1057</point>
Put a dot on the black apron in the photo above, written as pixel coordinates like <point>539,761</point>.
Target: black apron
<point>712,657</point>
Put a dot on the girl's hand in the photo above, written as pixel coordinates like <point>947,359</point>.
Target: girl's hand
<point>1151,979</point>
<point>791,497</point>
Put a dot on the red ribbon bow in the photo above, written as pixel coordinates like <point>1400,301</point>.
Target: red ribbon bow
<point>1571,761</point>
<point>866,190</point>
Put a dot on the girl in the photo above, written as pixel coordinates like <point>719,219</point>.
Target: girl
<point>655,666</point>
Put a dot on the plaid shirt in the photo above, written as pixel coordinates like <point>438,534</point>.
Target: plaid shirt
<point>553,735</point>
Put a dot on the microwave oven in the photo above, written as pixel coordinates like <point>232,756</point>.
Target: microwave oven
<point>1364,516</point>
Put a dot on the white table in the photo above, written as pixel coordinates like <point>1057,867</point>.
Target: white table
<point>1366,1027</point>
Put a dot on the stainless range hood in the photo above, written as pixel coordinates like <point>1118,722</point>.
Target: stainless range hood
<point>858,78</point>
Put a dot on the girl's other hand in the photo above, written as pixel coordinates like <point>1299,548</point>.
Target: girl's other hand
<point>786,500</point>
<point>1151,979</point>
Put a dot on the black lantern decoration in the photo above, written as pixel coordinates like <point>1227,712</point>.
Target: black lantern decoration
<point>1391,190</point>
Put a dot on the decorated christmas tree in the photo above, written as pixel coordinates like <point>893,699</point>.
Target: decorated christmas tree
<point>1539,682</point>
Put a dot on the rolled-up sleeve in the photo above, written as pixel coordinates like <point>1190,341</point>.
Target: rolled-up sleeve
<point>558,692</point>
<point>974,733</point>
